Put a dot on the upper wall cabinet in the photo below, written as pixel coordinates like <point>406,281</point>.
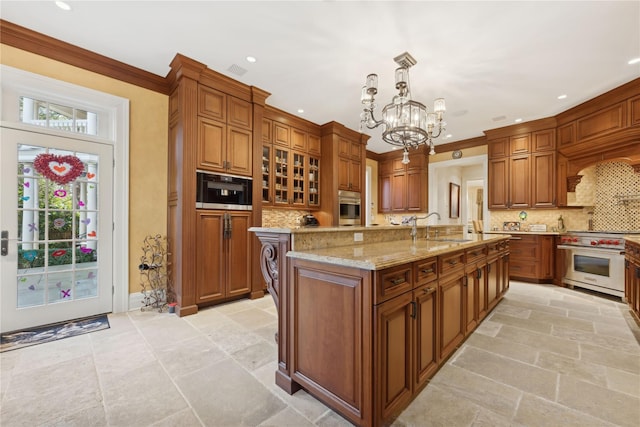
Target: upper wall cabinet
<point>522,167</point>
<point>290,165</point>
<point>225,108</point>
<point>224,133</point>
<point>403,188</point>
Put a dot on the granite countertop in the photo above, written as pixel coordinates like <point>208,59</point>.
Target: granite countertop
<point>377,256</point>
<point>633,238</point>
<point>542,233</point>
<point>327,229</point>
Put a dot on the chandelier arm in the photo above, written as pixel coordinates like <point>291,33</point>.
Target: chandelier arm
<point>376,122</point>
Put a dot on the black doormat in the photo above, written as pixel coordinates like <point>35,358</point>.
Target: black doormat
<point>57,331</point>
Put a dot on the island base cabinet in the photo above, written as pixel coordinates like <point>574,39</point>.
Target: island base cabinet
<point>425,334</point>
<point>394,345</point>
<point>452,304</point>
<point>330,320</point>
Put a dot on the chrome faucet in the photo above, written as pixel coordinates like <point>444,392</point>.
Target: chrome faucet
<point>414,223</point>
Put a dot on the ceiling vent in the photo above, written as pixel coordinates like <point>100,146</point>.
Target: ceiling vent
<point>237,70</point>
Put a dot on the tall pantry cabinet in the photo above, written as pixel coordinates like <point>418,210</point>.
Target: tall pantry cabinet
<point>211,123</point>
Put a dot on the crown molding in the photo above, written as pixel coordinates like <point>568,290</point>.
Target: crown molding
<point>30,41</point>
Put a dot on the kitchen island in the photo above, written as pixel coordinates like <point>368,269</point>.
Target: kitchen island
<point>366,316</point>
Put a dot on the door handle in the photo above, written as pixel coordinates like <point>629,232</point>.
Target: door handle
<point>4,243</point>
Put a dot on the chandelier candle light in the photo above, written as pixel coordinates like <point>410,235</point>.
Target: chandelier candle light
<point>407,123</point>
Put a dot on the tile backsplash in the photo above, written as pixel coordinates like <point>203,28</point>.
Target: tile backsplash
<point>606,191</point>
<point>282,218</point>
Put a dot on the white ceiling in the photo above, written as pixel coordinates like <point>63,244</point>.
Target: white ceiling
<point>487,59</point>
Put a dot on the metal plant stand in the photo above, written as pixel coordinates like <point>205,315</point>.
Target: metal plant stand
<point>157,291</point>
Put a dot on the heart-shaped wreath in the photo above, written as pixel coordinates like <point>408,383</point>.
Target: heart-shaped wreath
<point>59,169</point>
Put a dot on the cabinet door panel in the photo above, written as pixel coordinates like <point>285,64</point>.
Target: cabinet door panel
<point>425,333</point>
<point>343,173</point>
<point>519,144</point>
<point>520,185</point>
<point>398,192</point>
<point>212,138</point>
<point>416,191</point>
<point>314,146</point>
<point>493,283</point>
<point>470,300</point>
<point>209,257</point>
<point>298,139</point>
<point>238,262</point>
<point>384,190</point>
<point>499,183</point>
<point>212,103</point>
<point>238,112</point>
<point>451,327</point>
<point>281,134</point>
<point>394,336</point>
<point>239,151</point>
<point>543,166</point>
<point>355,175</point>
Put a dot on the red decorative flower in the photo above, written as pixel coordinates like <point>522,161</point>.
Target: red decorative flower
<point>58,253</point>
<point>59,169</point>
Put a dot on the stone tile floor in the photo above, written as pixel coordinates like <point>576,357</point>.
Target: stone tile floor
<point>546,356</point>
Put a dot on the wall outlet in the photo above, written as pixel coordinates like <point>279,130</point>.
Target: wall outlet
<point>357,237</point>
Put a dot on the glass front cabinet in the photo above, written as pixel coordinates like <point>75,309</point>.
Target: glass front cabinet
<point>290,178</point>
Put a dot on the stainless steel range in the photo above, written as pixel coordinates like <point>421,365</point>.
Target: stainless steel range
<point>594,260</point>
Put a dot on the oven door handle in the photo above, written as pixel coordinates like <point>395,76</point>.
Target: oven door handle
<point>590,249</point>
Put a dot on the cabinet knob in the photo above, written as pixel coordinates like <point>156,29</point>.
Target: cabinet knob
<point>426,270</point>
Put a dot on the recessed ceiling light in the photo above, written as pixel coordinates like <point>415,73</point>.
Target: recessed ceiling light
<point>633,61</point>
<point>63,5</point>
<point>251,59</point>
<point>563,96</point>
<point>448,136</point>
<point>518,120</point>
<point>300,110</point>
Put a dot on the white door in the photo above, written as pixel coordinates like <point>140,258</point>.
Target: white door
<point>56,222</point>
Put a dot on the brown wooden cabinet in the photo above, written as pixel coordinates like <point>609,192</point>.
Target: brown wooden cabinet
<point>475,284</point>
<point>223,148</point>
<point>222,265</point>
<point>290,167</point>
<point>343,166</point>
<point>399,324</point>
<point>451,327</point>
<point>532,257</point>
<point>403,188</point>
<point>394,348</point>
<point>632,277</point>
<point>522,168</point>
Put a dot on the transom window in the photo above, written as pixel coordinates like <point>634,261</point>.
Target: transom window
<point>56,116</point>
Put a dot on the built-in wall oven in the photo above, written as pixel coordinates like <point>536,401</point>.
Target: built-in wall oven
<point>349,202</point>
<point>594,260</point>
<point>218,191</point>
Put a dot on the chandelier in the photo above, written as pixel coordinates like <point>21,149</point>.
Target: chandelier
<point>406,123</point>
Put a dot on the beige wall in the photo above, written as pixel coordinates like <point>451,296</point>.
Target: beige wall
<point>147,145</point>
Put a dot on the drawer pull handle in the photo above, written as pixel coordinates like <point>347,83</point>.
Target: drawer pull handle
<point>426,270</point>
<point>428,290</point>
<point>452,262</point>
<point>398,280</point>
<point>475,253</point>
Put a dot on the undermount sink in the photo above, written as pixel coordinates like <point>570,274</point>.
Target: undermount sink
<point>450,240</point>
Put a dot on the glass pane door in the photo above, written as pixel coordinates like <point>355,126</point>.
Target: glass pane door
<point>57,212</point>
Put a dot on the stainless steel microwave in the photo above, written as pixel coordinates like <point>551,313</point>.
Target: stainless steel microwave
<point>218,191</point>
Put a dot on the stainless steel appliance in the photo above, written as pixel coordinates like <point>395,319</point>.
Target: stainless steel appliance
<point>309,221</point>
<point>594,260</point>
<point>218,191</point>
<point>349,202</point>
